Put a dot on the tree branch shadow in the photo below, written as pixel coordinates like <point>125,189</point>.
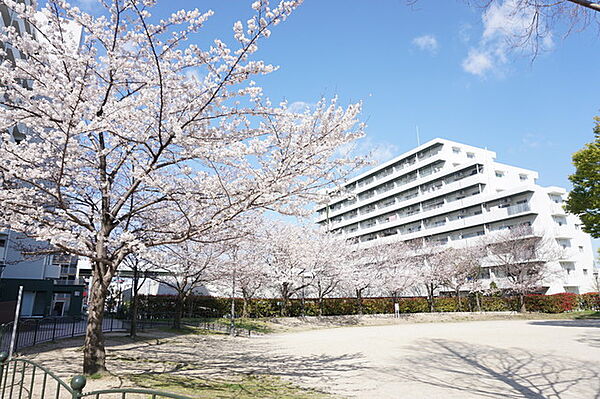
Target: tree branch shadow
<point>490,372</point>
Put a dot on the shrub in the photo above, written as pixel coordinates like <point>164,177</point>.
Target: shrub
<point>378,305</point>
<point>445,304</point>
<point>589,301</point>
<point>161,306</point>
<point>413,305</point>
<point>556,303</point>
<point>494,304</point>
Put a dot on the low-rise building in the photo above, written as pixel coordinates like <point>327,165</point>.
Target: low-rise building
<point>51,285</point>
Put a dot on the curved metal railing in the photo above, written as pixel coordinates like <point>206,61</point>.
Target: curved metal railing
<point>25,379</point>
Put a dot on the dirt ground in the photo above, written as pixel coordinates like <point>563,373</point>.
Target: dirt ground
<point>404,359</point>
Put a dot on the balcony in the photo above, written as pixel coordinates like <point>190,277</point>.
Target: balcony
<point>518,208</point>
<point>557,209</point>
<point>77,281</point>
<point>562,232</point>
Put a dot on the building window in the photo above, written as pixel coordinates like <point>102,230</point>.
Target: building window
<point>564,243</point>
<point>470,155</point>
<point>2,246</point>
<point>499,173</point>
<point>580,248</point>
<point>585,272</point>
<point>456,150</point>
<point>523,177</point>
<point>556,198</point>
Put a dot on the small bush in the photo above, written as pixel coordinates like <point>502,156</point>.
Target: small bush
<point>494,304</point>
<point>445,304</point>
<point>589,301</point>
<point>557,303</point>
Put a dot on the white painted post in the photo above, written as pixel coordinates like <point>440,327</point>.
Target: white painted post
<point>16,322</point>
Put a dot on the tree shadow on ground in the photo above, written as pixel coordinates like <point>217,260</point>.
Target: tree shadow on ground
<point>592,340</point>
<point>212,356</point>
<point>489,372</point>
<point>568,323</point>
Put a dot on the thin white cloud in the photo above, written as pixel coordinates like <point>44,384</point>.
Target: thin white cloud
<point>477,62</point>
<point>464,33</point>
<point>299,107</point>
<point>426,43</point>
<point>535,141</point>
<point>506,27</point>
<point>376,152</point>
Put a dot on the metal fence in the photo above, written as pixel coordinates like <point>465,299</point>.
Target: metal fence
<point>25,379</point>
<point>34,331</point>
<point>204,325</point>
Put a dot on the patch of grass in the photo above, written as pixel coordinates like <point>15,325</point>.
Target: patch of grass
<point>254,325</point>
<point>585,315</point>
<point>95,376</point>
<point>184,330</point>
<point>239,387</point>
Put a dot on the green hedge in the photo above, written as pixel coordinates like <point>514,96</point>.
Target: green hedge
<point>161,306</point>
<point>589,301</point>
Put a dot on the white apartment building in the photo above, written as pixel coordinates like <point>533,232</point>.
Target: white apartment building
<point>449,193</point>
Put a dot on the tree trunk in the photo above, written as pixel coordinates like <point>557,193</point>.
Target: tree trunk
<point>232,320</point>
<point>178,312</point>
<point>245,307</point>
<point>430,289</point>
<point>522,308</point>
<point>359,301</point>
<point>134,303</point>
<point>285,300</point>
<point>458,304</point>
<point>477,301</point>
<point>94,355</point>
<point>320,305</point>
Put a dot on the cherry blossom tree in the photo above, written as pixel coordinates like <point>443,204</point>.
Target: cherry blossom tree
<point>398,273</point>
<point>140,270</point>
<point>140,139</point>
<point>464,266</point>
<point>285,249</point>
<point>329,254</point>
<point>185,268</point>
<point>244,271</point>
<point>431,266</point>
<point>366,266</point>
<point>520,257</point>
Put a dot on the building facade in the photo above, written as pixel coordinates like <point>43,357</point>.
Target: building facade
<point>451,194</point>
<point>51,285</point>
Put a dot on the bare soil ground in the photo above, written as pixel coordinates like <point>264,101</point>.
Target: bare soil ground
<point>417,356</point>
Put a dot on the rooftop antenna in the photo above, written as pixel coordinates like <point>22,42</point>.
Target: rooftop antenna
<point>418,138</point>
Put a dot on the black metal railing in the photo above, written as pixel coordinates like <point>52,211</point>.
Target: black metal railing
<point>25,379</point>
<point>33,331</point>
<point>204,325</point>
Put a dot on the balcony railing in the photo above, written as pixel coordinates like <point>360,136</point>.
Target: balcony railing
<point>518,208</point>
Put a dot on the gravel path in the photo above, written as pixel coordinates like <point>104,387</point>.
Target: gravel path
<point>481,359</point>
<point>476,359</point>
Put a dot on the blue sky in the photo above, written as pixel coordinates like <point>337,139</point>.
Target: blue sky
<point>407,64</point>
<point>410,66</point>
